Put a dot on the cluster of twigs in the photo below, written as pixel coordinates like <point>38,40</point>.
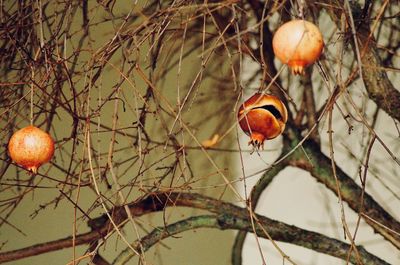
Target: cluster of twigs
<point>130,91</point>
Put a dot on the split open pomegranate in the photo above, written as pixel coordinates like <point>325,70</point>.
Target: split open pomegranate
<point>262,117</point>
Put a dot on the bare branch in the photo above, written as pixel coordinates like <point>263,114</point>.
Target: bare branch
<point>319,166</point>
<point>380,89</point>
<point>228,216</point>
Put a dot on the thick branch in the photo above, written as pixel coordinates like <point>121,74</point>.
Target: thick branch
<point>376,81</point>
<point>228,216</point>
<point>277,230</point>
<point>255,195</point>
<point>319,166</point>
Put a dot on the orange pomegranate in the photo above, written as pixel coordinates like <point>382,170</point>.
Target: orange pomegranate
<point>298,43</point>
<point>31,147</point>
<point>262,117</point>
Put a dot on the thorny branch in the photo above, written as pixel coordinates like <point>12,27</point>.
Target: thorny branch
<point>81,57</point>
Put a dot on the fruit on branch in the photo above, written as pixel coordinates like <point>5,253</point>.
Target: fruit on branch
<point>31,147</point>
<point>262,117</point>
<point>298,43</point>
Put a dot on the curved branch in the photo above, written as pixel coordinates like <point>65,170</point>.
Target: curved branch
<point>277,230</point>
<point>380,89</point>
<point>256,192</point>
<point>228,216</point>
<point>319,166</point>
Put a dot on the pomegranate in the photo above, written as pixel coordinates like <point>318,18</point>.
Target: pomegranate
<point>298,43</point>
<point>262,117</point>
<point>31,147</point>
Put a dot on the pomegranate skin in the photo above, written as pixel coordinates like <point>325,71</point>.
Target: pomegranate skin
<point>30,147</point>
<point>298,43</point>
<point>263,117</point>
